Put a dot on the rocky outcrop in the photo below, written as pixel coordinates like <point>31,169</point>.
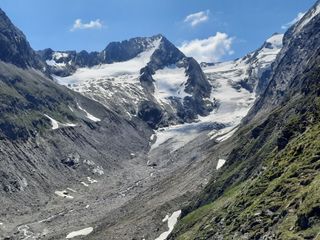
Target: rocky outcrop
<point>14,47</point>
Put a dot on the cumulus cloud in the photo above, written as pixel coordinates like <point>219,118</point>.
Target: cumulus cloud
<point>211,49</point>
<point>296,19</point>
<point>195,19</point>
<point>93,24</point>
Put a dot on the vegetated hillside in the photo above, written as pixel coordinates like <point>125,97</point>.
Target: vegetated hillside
<point>269,187</point>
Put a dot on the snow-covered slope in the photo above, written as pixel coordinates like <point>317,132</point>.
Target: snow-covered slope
<point>116,81</point>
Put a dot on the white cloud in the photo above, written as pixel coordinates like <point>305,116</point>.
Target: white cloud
<point>93,24</point>
<point>195,19</point>
<point>296,19</point>
<point>211,49</point>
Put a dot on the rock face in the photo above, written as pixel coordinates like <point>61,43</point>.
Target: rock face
<point>14,47</point>
<point>268,188</point>
<point>141,74</point>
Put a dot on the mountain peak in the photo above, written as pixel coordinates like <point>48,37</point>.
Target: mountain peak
<point>128,49</point>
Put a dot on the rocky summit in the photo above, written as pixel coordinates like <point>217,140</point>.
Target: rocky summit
<point>141,141</point>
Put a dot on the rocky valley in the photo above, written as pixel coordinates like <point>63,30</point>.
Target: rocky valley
<point>140,141</point>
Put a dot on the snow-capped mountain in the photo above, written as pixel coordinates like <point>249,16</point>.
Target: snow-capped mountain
<point>145,77</point>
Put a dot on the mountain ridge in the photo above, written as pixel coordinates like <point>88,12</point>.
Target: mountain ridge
<point>262,191</point>
<point>157,82</point>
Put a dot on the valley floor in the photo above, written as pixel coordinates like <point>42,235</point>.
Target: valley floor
<point>129,202</point>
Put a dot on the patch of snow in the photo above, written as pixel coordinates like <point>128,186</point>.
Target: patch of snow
<point>71,190</point>
<point>172,220</point>
<point>91,181</point>
<point>63,194</point>
<point>220,163</point>
<point>88,115</point>
<point>82,232</point>
<point>84,184</point>
<point>54,123</point>
<point>69,124</point>
<point>98,170</point>
<point>226,136</point>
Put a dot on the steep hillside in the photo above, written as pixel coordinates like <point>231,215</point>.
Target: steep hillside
<point>51,137</point>
<point>269,186</point>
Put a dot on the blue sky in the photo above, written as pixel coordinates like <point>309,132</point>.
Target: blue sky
<point>243,24</point>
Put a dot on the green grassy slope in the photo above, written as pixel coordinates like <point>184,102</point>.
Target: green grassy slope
<point>270,185</point>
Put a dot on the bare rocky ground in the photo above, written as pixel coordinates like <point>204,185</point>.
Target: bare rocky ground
<point>128,202</point>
